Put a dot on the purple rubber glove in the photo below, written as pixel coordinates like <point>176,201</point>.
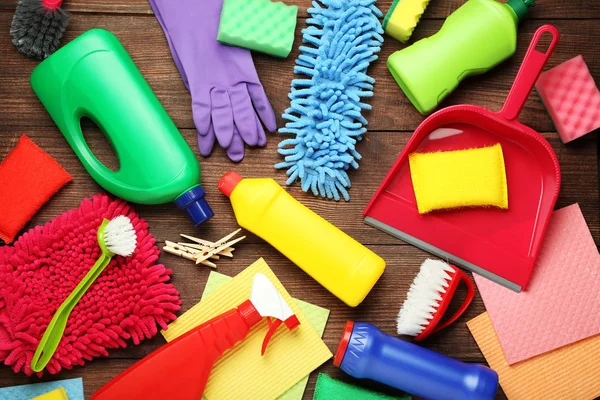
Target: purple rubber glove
<point>227,96</point>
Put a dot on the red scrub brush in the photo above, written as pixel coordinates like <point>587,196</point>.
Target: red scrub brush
<point>38,26</point>
<point>428,299</point>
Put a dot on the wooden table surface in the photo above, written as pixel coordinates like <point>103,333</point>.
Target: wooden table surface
<point>391,123</point>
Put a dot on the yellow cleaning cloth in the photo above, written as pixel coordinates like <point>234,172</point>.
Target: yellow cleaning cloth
<point>461,178</point>
<point>56,394</point>
<point>570,372</point>
<point>242,373</point>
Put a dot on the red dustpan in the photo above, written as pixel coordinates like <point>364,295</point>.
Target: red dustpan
<point>501,245</point>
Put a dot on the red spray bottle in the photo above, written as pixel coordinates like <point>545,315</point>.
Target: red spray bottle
<point>180,369</point>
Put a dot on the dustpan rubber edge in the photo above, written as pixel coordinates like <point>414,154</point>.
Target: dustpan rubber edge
<point>441,253</point>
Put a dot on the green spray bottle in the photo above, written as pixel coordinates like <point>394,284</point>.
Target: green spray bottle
<point>474,39</point>
<point>93,76</point>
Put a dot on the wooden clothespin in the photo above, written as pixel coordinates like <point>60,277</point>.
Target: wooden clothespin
<point>191,248</point>
<point>215,251</point>
<point>201,250</point>
<point>201,243</point>
<point>186,255</point>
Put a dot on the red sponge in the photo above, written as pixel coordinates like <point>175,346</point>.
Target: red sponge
<point>571,97</point>
<point>127,301</point>
<point>28,177</point>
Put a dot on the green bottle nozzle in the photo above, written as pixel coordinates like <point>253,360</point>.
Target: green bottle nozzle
<point>521,8</point>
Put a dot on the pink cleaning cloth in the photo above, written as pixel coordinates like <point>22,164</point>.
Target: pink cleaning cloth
<point>562,302</point>
<point>127,301</point>
<point>571,97</point>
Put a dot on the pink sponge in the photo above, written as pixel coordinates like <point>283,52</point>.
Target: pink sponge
<point>45,264</point>
<point>571,97</point>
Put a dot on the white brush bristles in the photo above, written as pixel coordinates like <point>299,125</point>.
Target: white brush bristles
<point>120,237</point>
<point>424,296</point>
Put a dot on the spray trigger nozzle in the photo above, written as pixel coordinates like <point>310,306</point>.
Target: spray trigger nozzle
<point>272,328</point>
<point>291,323</point>
<point>269,304</point>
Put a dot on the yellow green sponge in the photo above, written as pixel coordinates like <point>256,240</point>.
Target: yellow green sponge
<point>56,394</point>
<point>260,25</point>
<point>459,178</point>
<point>331,389</point>
<point>403,17</point>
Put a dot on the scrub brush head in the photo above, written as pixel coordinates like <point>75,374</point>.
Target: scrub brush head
<point>38,26</point>
<point>120,237</point>
<point>428,298</point>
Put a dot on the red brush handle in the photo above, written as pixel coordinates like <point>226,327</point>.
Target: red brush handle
<point>466,302</point>
<point>433,326</point>
<point>530,70</point>
<point>180,369</point>
<point>52,4</point>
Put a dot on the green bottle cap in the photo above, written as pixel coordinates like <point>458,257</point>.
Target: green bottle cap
<point>521,7</point>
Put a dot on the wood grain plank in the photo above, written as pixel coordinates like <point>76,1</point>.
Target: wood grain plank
<point>577,160</point>
<point>392,121</point>
<point>380,308</point>
<point>101,371</point>
<point>391,109</point>
<point>577,9</point>
<point>381,305</point>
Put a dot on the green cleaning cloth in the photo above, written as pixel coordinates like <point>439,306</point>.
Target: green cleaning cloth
<point>260,25</point>
<point>330,389</point>
<point>317,316</point>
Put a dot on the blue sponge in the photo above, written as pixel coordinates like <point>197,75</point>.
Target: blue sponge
<point>325,112</point>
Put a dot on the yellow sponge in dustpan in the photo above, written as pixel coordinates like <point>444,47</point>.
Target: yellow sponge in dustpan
<point>461,178</point>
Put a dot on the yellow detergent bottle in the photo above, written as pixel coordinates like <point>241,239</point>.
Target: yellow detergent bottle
<point>342,265</point>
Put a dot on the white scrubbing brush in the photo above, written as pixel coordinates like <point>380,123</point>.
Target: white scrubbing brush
<point>116,237</point>
<point>428,298</point>
<point>120,237</point>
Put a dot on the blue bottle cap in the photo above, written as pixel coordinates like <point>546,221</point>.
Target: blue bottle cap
<point>196,206</point>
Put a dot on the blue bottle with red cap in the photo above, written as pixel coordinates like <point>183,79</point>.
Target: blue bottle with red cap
<point>366,352</point>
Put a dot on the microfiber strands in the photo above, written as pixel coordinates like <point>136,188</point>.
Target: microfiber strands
<point>325,112</point>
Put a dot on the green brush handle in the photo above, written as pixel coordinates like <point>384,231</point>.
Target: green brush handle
<point>56,327</point>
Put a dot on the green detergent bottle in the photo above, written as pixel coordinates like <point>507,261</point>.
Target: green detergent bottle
<point>93,76</point>
<point>474,39</point>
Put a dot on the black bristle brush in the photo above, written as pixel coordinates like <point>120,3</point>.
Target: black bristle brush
<point>38,26</point>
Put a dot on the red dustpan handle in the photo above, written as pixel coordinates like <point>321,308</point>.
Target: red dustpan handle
<point>530,70</point>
